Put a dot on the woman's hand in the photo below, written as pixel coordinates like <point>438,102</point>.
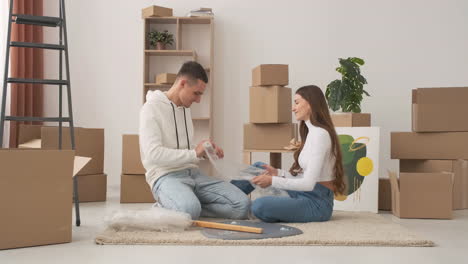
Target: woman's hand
<point>270,170</point>
<point>263,180</point>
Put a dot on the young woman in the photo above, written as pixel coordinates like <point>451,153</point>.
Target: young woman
<point>316,174</point>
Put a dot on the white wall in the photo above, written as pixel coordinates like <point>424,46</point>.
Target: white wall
<point>406,44</point>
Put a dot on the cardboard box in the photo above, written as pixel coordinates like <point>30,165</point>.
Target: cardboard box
<point>385,195</point>
<point>422,195</point>
<point>166,78</point>
<point>89,142</point>
<point>268,136</point>
<point>35,194</point>
<point>92,188</point>
<point>131,159</point>
<point>443,145</point>
<point>270,104</point>
<point>351,119</point>
<point>440,109</point>
<point>28,133</point>
<point>459,168</point>
<point>156,11</point>
<point>135,189</point>
<point>270,74</point>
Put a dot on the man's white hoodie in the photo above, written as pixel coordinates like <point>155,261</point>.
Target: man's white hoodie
<point>158,138</point>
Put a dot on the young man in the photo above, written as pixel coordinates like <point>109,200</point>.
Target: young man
<point>166,133</point>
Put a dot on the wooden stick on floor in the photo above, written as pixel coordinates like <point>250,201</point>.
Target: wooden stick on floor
<point>228,227</point>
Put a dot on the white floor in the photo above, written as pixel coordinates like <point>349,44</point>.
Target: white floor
<point>451,237</point>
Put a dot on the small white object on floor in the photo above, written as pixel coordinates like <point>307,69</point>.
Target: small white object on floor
<point>154,219</point>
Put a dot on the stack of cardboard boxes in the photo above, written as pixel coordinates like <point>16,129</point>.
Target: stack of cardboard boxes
<point>270,124</point>
<point>434,157</point>
<point>89,142</point>
<point>133,186</point>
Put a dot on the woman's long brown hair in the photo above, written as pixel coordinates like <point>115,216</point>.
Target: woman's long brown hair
<point>320,117</point>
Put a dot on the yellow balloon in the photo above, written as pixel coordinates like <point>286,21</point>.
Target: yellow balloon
<point>340,197</point>
<point>364,166</point>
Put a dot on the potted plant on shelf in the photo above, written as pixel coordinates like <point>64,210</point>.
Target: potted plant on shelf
<point>347,94</point>
<point>160,39</point>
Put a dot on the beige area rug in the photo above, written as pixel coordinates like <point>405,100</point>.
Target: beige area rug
<point>344,229</point>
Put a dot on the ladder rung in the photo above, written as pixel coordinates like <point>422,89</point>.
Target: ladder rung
<point>37,20</point>
<point>36,45</point>
<point>37,119</point>
<point>37,81</point>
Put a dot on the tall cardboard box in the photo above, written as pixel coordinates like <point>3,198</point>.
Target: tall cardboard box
<point>270,74</point>
<point>35,197</point>
<point>385,195</point>
<point>92,188</point>
<point>459,168</point>
<point>131,159</point>
<point>156,11</point>
<point>440,109</point>
<point>166,78</point>
<point>351,119</point>
<point>443,145</point>
<point>268,136</point>
<point>270,104</point>
<point>135,189</point>
<point>89,142</point>
<point>422,195</point>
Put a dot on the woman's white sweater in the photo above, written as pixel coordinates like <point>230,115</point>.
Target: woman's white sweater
<point>315,159</point>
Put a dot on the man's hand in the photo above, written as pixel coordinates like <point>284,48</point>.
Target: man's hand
<point>219,151</point>
<point>200,150</point>
<point>263,180</point>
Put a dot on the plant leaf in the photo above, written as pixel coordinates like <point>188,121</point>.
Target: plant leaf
<point>334,94</point>
<point>357,60</point>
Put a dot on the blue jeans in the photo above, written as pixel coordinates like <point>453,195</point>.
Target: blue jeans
<point>311,206</point>
<point>194,193</point>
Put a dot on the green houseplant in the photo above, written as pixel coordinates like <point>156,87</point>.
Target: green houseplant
<point>160,39</point>
<point>347,93</point>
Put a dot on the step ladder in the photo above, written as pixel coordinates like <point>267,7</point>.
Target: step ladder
<point>62,47</point>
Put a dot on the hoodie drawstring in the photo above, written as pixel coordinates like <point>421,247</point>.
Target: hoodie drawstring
<point>177,132</point>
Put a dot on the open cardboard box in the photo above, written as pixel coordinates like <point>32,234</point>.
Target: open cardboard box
<point>89,142</point>
<point>459,168</point>
<point>422,195</point>
<point>35,199</point>
<point>385,195</point>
